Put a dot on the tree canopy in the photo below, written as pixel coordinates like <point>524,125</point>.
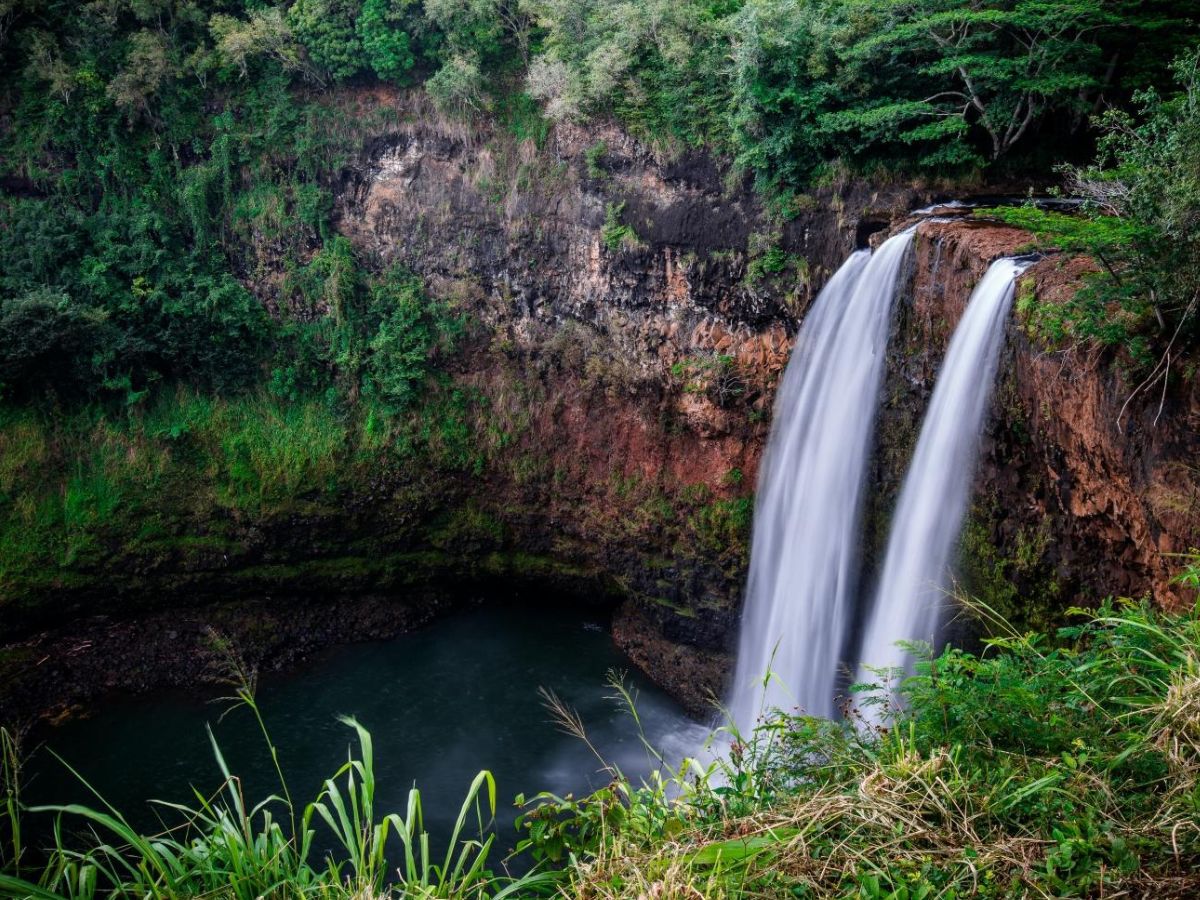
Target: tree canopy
<point>151,148</point>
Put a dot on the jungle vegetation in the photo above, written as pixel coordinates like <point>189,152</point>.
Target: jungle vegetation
<point>164,162</point>
<point>175,300</point>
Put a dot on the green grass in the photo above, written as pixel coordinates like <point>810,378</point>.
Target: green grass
<point>616,234</point>
<point>271,452</point>
<point>226,847</point>
<point>1061,767</point>
<point>75,481</point>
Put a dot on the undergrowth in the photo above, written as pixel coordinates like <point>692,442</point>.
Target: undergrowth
<point>1040,767</point>
<point>74,485</point>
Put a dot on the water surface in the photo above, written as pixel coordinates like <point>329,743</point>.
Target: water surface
<point>442,703</point>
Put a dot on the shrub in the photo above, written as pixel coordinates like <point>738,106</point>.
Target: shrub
<point>47,343</point>
<point>385,43</point>
<point>413,329</point>
<point>1064,767</point>
<point>614,234</point>
<point>326,29</point>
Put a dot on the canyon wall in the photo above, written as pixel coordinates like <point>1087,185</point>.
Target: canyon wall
<point>1070,505</point>
<point>1084,491</point>
<point>629,315</point>
<point>635,314</point>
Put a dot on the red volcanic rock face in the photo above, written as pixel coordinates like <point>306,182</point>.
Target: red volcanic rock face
<point>1116,498</point>
<point>609,353</point>
<point>621,388</point>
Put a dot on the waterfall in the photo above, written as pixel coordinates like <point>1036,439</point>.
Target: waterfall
<point>925,528</point>
<point>800,591</point>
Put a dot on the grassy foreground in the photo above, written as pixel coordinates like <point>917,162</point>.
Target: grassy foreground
<point>1041,767</point>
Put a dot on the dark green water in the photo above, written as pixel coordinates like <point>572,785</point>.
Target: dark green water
<point>441,703</point>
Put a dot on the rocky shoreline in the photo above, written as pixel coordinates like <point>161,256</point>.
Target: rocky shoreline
<point>59,674</point>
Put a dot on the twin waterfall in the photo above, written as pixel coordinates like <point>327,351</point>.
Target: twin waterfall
<point>796,643</point>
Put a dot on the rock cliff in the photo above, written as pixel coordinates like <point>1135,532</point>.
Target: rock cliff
<point>679,298</point>
<point>630,313</point>
<point>1083,492</point>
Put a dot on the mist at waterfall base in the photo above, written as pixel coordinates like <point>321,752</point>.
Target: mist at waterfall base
<point>801,589</point>
<point>441,703</point>
<point>916,577</point>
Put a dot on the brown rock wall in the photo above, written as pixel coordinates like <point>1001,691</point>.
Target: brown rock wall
<point>1116,498</point>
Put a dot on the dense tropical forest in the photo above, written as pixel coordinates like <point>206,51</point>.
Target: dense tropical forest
<point>188,335</point>
<point>155,153</point>
<point>170,269</point>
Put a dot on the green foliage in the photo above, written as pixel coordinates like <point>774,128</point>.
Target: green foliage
<point>386,45</point>
<point>273,453</point>
<point>793,87</point>
<point>146,68</point>
<point>1140,224</point>
<point>785,76</point>
<point>129,312</point>
<point>326,28</point>
<point>615,234</point>
<point>998,67</point>
<point>592,159</point>
<point>657,64</point>
<point>724,525</point>
<point>412,330</point>
<point>46,344</point>
<point>72,482</point>
<point>12,848</point>
<point>769,260</point>
<point>1066,767</point>
<point>264,35</point>
<point>459,86</point>
<point>1107,310</point>
<point>471,28</point>
<point>718,376</point>
<point>524,119</point>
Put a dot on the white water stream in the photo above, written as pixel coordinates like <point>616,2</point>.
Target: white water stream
<point>800,595</point>
<point>916,577</point>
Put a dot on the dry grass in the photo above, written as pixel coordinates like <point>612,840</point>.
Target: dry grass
<point>955,799</point>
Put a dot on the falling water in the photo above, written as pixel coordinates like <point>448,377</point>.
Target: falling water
<point>925,528</point>
<point>799,597</point>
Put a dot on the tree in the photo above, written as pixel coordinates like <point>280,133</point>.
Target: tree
<point>46,63</point>
<point>1141,223</point>
<point>326,29</point>
<point>1148,177</point>
<point>266,33</point>
<point>147,67</point>
<point>385,42</point>
<point>10,12</point>
<point>413,330</point>
<point>458,86</point>
<point>46,343</point>
<point>400,348</point>
<point>999,66</point>
<point>785,69</point>
<point>599,53</point>
<point>469,26</point>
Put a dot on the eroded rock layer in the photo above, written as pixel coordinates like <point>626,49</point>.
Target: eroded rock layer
<point>630,314</point>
